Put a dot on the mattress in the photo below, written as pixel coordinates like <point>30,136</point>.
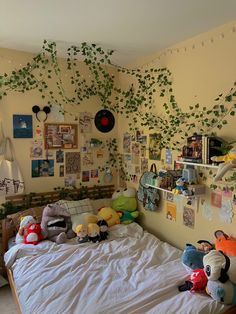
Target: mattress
<point>131,272</point>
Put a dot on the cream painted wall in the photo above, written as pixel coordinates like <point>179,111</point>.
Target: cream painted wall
<point>202,68</point>
<point>17,103</point>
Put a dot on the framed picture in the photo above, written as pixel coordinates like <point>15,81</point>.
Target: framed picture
<point>22,126</point>
<point>60,135</point>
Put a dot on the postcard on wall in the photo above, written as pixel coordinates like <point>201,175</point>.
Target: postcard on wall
<point>226,212</point>
<point>135,153</point>
<point>168,156</point>
<point>188,217</point>
<point>38,133</point>
<point>22,126</point>
<point>143,140</point>
<point>42,168</point>
<point>216,199</point>
<point>94,174</point>
<point>59,156</point>
<point>143,150</point>
<point>207,211</point>
<point>170,211</point>
<point>154,146</point>
<point>85,122</point>
<point>100,153</point>
<point>72,162</point>
<point>70,181</point>
<point>127,143</point>
<point>134,178</point>
<point>227,192</point>
<point>36,149</point>
<point>61,171</point>
<point>85,176</point>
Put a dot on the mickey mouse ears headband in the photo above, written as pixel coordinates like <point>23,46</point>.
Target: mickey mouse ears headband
<point>36,110</point>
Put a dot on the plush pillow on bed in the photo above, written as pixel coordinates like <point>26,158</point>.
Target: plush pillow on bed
<point>77,207</point>
<point>101,202</point>
<point>36,212</point>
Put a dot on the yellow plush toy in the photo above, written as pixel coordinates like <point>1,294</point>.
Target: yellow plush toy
<point>109,215</point>
<point>229,163</point>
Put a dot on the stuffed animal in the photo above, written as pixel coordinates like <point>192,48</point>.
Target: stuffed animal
<point>33,235</point>
<point>180,186</point>
<point>56,224</point>
<point>220,267</point>
<point>24,224</point>
<point>124,201</point>
<point>222,292</point>
<point>82,233</point>
<point>229,162</point>
<point>192,257</point>
<point>94,232</point>
<point>197,281</point>
<point>205,246</point>
<point>109,215</point>
<point>103,229</point>
<point>225,243</point>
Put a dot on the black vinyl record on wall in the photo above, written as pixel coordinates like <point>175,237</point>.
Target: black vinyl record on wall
<point>104,121</point>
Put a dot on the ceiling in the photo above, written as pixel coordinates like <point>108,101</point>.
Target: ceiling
<point>133,28</point>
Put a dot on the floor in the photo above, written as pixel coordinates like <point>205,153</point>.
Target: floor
<point>7,305</point>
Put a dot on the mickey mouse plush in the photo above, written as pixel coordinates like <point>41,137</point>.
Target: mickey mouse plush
<point>33,235</point>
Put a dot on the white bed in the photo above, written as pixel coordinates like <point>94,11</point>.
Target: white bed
<point>131,272</point>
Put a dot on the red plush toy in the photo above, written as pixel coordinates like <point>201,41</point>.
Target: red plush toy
<point>33,235</point>
<point>197,281</point>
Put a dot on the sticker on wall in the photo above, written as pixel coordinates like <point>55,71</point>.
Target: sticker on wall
<point>85,122</point>
<point>154,146</point>
<point>42,168</point>
<point>216,199</point>
<point>127,143</point>
<point>22,126</point>
<point>38,132</point>
<point>36,149</point>
<point>207,211</point>
<point>72,162</point>
<point>135,153</point>
<point>59,156</point>
<point>188,217</point>
<point>170,211</point>
<point>226,212</point>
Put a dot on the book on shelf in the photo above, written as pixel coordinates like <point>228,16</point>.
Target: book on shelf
<point>200,149</point>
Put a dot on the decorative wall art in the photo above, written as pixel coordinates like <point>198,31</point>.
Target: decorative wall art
<point>36,149</point>
<point>188,217</point>
<point>216,199</point>
<point>154,146</point>
<point>58,135</point>
<point>94,174</point>
<point>61,171</point>
<point>59,156</point>
<point>72,162</point>
<point>42,168</point>
<point>85,122</point>
<point>127,143</point>
<point>22,126</point>
<point>170,211</point>
<point>85,176</point>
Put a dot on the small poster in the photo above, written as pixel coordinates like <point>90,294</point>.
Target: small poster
<point>59,156</point>
<point>36,149</point>
<point>94,174</point>
<point>170,211</point>
<point>22,126</point>
<point>85,176</point>
<point>61,171</point>
<point>42,168</point>
<point>216,199</point>
<point>70,181</point>
<point>135,153</point>
<point>87,159</point>
<point>188,217</point>
<point>226,212</point>
<point>127,143</point>
<point>85,122</point>
<point>144,165</point>
<point>168,156</point>
<point>72,162</point>
<point>154,146</point>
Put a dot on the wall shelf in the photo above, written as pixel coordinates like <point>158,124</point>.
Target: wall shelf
<point>168,191</point>
<point>196,164</point>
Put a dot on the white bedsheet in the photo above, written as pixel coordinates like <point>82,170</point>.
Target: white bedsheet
<point>131,273</point>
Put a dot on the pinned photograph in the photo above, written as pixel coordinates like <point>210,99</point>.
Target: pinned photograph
<point>170,211</point>
<point>36,149</point>
<point>42,168</point>
<point>59,156</point>
<point>188,217</point>
<point>22,126</point>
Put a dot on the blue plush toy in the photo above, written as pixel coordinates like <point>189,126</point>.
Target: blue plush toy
<point>192,257</point>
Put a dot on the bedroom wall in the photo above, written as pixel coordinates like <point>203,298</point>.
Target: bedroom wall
<point>202,68</point>
<point>17,103</point>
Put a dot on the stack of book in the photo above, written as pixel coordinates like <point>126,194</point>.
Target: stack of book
<point>201,148</point>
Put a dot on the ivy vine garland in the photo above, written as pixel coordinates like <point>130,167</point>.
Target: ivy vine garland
<point>136,103</point>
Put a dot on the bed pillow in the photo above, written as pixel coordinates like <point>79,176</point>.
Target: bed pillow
<point>36,212</point>
<point>101,202</point>
<point>77,207</point>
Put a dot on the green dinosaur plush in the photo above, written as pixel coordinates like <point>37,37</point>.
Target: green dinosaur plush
<point>125,202</point>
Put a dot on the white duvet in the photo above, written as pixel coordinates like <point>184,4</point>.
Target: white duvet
<point>132,272</point>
